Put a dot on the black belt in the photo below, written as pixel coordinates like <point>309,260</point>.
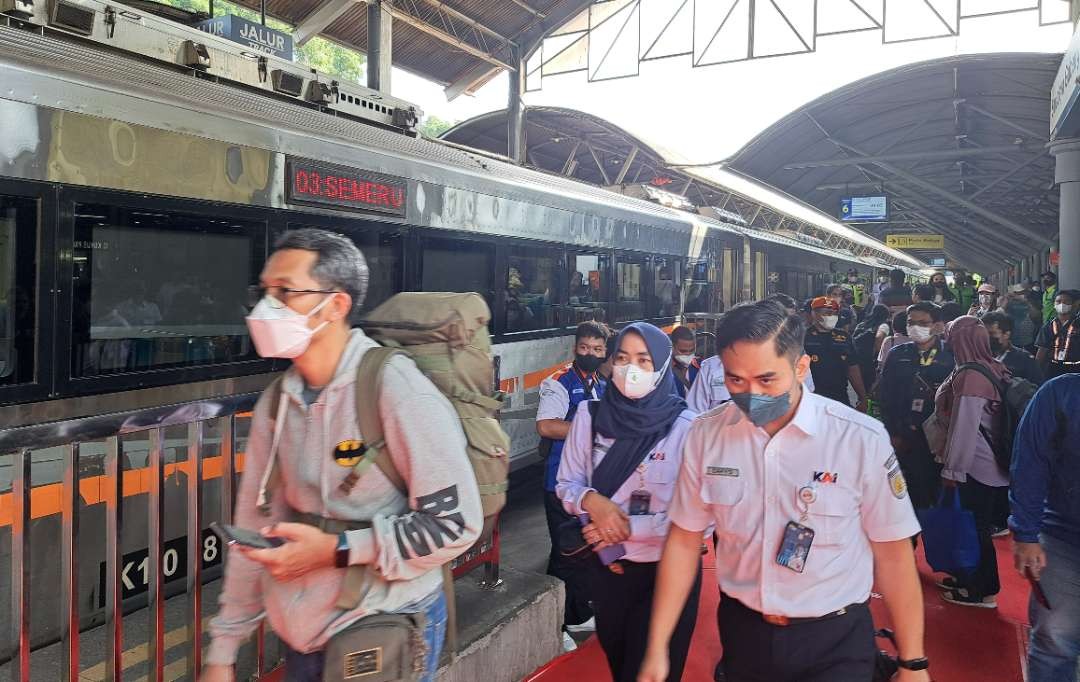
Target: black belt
<point>785,621</point>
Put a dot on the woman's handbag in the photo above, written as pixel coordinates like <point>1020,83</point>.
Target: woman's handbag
<point>949,534</point>
<point>385,647</point>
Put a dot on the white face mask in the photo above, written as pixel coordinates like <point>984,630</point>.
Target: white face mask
<point>829,321</point>
<point>1063,308</point>
<point>918,333</point>
<point>684,359</point>
<point>634,382</point>
<point>985,300</point>
<point>281,332</point>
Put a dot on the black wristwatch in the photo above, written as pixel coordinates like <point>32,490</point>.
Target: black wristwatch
<point>914,663</point>
<point>341,554</point>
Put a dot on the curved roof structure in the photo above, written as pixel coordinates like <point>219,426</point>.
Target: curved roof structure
<point>957,145</point>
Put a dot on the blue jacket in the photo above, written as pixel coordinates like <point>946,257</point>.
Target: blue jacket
<point>1045,490</point>
<point>575,388</point>
<point>691,376</point>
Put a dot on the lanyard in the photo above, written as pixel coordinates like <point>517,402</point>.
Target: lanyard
<point>1064,353</point>
<point>927,359</point>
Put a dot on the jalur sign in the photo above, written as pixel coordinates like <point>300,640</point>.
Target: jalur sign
<point>256,36</point>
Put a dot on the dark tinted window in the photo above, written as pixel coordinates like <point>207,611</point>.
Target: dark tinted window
<point>667,286</point>
<point>535,282</point>
<point>18,289</point>
<point>458,266</point>
<point>588,293</point>
<point>158,289</point>
<point>630,273</point>
<point>382,252</point>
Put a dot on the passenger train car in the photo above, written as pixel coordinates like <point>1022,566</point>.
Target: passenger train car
<point>139,200</point>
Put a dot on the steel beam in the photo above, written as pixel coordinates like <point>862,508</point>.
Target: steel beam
<point>529,8</point>
<point>568,167</point>
<point>912,156</point>
<point>438,33</point>
<point>1005,121</point>
<point>316,22</point>
<point>627,162</point>
<point>596,158</point>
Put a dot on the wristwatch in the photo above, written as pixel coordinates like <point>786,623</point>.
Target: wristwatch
<point>341,554</point>
<point>914,663</point>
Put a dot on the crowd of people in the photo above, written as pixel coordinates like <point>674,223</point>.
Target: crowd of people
<point>653,454</point>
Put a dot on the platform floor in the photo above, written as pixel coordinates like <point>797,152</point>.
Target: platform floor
<point>964,644</point>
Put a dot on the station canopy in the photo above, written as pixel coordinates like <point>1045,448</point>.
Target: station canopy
<point>957,146</point>
<point>460,44</point>
<point>591,149</point>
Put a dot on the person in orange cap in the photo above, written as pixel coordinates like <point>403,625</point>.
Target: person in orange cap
<point>833,362</point>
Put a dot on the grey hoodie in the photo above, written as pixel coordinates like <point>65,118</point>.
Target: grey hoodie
<point>410,539</point>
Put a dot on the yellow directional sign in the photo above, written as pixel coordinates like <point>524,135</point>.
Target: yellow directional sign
<point>915,241</point>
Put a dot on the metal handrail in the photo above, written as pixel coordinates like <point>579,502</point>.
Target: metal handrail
<point>22,441</point>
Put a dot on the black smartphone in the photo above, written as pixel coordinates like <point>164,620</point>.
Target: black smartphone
<point>1037,590</point>
<point>231,535</point>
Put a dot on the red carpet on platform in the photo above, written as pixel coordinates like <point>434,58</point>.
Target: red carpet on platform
<point>964,644</point>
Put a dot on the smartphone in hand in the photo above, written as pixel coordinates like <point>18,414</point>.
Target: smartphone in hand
<point>231,535</point>
<point>1036,589</point>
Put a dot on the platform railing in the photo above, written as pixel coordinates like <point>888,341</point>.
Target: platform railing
<point>114,431</point>
<point>70,436</point>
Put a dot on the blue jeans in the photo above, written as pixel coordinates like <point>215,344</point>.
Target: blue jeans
<point>309,667</point>
<point>1055,633</point>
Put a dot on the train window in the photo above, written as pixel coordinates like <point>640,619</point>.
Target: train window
<point>382,252</point>
<point>453,265</point>
<point>630,288</point>
<point>588,287</point>
<point>667,285</point>
<point>158,289</point>
<point>702,286</point>
<point>535,284</point>
<point>18,289</point>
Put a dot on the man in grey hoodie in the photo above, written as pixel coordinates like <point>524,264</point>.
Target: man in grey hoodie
<point>293,468</point>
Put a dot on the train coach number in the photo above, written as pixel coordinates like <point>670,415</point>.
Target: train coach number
<point>135,573</point>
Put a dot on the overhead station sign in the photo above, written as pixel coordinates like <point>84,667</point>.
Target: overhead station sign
<point>864,209</point>
<point>1064,93</point>
<point>915,241</point>
<point>255,36</point>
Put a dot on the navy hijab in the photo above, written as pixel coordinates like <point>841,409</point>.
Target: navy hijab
<point>636,425</point>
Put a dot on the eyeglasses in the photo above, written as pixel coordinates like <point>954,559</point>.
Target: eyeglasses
<point>277,297</point>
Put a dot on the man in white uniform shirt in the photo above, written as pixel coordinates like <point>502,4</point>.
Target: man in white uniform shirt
<point>810,508</point>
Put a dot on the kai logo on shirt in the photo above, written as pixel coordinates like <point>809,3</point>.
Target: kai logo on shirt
<point>825,477</point>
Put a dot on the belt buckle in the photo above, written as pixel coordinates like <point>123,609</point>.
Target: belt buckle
<point>782,621</point>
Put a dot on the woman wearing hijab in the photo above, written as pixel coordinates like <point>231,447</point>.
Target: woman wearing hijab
<point>971,404</point>
<point>618,473</point>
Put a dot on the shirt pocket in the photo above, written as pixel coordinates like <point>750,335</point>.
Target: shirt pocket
<point>832,515</point>
<point>723,494</point>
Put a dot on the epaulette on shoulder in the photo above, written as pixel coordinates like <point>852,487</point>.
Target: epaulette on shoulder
<point>853,416</point>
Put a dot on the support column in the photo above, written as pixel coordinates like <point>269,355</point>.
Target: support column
<point>1067,175</point>
<point>380,48</point>
<point>747,270</point>
<point>515,107</point>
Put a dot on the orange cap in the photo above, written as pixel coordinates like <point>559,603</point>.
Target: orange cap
<point>824,302</point>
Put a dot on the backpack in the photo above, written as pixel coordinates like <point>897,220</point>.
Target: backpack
<point>863,340</point>
<point>1015,396</point>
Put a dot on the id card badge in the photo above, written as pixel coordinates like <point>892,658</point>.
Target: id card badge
<point>639,502</point>
<point>795,547</point>
<point>917,405</point>
<point>1060,355</point>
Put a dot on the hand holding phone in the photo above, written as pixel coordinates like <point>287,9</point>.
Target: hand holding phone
<point>231,535</point>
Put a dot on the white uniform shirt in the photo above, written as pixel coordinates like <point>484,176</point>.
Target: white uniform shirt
<point>735,476</point>
<point>709,390</point>
<point>657,474</point>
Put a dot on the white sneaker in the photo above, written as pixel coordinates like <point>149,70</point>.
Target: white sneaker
<point>568,643</point>
<point>587,626</point>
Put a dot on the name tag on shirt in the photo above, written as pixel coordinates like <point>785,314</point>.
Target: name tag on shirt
<point>795,547</point>
<point>722,471</point>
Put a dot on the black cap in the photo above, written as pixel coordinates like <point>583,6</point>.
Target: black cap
<point>1048,274</point>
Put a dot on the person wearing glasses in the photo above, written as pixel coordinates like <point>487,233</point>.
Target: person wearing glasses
<point>296,486</point>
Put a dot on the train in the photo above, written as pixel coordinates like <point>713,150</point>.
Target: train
<point>140,196</point>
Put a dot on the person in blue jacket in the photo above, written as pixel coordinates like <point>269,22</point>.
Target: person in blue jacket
<point>685,363</point>
<point>1045,523</point>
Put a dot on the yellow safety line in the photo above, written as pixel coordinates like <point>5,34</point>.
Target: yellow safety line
<point>138,654</point>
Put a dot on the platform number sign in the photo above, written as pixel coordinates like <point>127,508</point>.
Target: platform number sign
<point>135,572</point>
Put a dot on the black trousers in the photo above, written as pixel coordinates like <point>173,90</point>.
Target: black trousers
<point>921,472</point>
<point>623,606</point>
<point>573,572</point>
<point>979,499</point>
<point>837,649</point>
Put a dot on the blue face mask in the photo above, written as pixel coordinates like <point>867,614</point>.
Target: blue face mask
<point>761,408</point>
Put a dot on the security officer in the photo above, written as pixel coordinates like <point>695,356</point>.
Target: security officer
<point>685,364</point>
<point>1059,340</point>
<point>832,357</point>
<point>560,395</point>
<point>906,390</point>
<point>811,510</point>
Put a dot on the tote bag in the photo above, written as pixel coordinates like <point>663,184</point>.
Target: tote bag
<point>949,535</point>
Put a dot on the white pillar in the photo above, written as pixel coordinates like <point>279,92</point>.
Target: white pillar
<point>1067,175</point>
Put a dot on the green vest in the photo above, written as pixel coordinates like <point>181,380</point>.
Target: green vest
<point>965,296</point>
<point>1048,303</point>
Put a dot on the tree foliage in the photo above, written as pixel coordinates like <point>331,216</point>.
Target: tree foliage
<point>433,126</point>
<point>319,53</point>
